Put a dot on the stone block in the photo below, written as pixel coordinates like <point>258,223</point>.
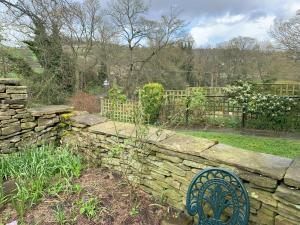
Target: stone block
<point>261,163</point>
<point>173,159</point>
<point>52,109</point>
<point>194,164</point>
<point>28,125</point>
<point>280,220</point>
<point>288,211</point>
<point>9,112</point>
<point>12,128</point>
<point>173,169</point>
<point>19,96</point>
<point>288,194</point>
<point>10,81</point>
<point>16,89</point>
<point>2,88</point>
<point>4,96</point>
<point>263,196</point>
<point>88,119</point>
<point>292,176</point>
<point>186,144</point>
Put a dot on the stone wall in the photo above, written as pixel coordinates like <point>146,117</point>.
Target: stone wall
<point>20,126</point>
<point>164,163</point>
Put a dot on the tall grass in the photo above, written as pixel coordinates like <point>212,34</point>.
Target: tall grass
<point>34,170</point>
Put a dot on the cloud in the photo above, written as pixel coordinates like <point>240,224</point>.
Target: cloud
<point>210,32</point>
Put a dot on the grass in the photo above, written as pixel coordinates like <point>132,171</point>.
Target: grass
<point>275,146</point>
<point>34,171</point>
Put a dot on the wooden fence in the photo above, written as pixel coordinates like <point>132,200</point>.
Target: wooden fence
<point>215,105</point>
<point>124,112</point>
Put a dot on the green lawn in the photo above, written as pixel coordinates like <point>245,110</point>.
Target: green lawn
<point>276,146</point>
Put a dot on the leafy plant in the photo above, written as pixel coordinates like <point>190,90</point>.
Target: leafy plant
<point>135,210</point>
<point>60,215</point>
<point>116,94</point>
<point>34,169</point>
<point>152,96</point>
<point>88,207</point>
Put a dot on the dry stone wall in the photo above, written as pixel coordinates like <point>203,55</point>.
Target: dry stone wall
<point>20,126</point>
<point>163,163</point>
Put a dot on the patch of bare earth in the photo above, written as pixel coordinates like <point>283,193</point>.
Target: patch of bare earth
<point>118,203</point>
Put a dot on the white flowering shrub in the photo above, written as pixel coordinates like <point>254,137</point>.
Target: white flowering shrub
<point>267,107</point>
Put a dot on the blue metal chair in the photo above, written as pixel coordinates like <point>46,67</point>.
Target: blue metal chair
<point>218,197</point>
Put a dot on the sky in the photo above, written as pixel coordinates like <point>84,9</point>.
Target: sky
<point>210,22</point>
<point>214,21</point>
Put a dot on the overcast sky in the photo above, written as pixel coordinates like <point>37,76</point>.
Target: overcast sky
<point>214,21</point>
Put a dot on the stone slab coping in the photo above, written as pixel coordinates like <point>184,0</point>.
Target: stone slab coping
<point>127,130</point>
<point>265,164</point>
<point>186,144</point>
<point>51,109</point>
<point>292,176</point>
<point>88,119</point>
<point>10,81</point>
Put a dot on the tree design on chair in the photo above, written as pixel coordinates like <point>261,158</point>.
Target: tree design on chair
<point>219,198</point>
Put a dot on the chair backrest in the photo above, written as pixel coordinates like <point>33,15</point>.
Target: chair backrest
<point>218,197</point>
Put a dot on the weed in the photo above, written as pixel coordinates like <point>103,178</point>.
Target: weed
<point>88,207</point>
<point>135,210</point>
<point>60,215</point>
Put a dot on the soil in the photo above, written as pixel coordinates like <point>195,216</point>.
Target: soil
<point>116,200</point>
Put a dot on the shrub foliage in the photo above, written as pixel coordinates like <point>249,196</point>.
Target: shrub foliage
<point>152,98</point>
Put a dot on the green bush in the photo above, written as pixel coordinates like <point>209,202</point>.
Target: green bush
<point>152,98</point>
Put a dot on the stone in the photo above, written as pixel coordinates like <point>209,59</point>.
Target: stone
<point>265,219</point>
<point>10,81</point>
<point>2,88</point>
<point>5,117</point>
<point>255,204</point>
<point>128,130</point>
<point>16,89</point>
<point>173,169</point>
<point>9,187</point>
<point>47,122</point>
<point>280,220</point>
<point>260,195</point>
<point>257,179</point>
<point>292,213</point>
<point>289,194</point>
<point>9,112</point>
<point>28,125</point>
<point>19,96</point>
<point>4,96</point>
<point>173,159</point>
<point>88,119</point>
<point>186,144</point>
<point>51,109</point>
<point>19,102</point>
<point>261,163</point>
<point>182,219</point>
<point>13,128</point>
<point>292,176</point>
<point>194,164</point>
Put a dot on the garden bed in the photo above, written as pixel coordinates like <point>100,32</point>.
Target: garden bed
<point>96,196</point>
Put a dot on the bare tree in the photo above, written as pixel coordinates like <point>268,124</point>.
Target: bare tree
<point>134,29</point>
<point>287,34</point>
<point>82,21</point>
